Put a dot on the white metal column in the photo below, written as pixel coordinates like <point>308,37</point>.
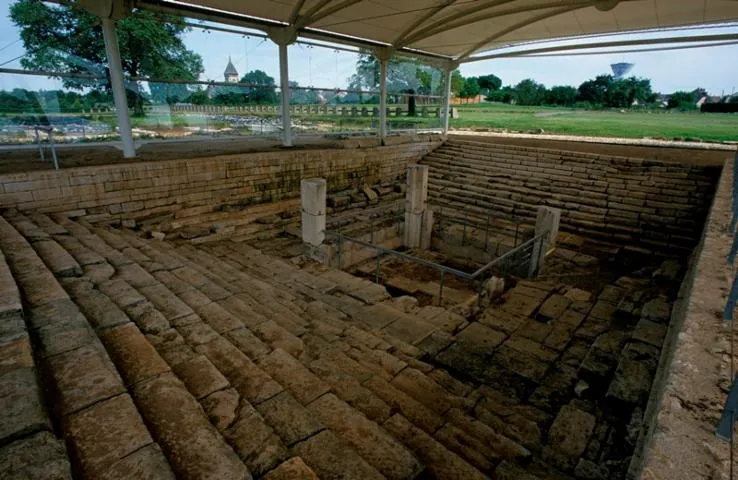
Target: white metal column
<point>447,106</point>
<point>383,97</point>
<point>284,82</point>
<point>119,89</point>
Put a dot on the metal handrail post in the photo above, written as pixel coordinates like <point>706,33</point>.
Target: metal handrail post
<point>340,247</point>
<point>53,149</point>
<point>440,288</point>
<point>463,237</point>
<point>376,275</point>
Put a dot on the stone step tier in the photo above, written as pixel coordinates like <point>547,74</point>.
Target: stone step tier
<point>638,204</point>
<point>163,360</point>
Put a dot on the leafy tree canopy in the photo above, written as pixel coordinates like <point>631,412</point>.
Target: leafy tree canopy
<point>530,92</point>
<point>403,75</point>
<point>70,40</point>
<point>562,95</point>
<point>471,88</point>
<point>489,83</point>
<point>607,91</point>
<point>682,100</point>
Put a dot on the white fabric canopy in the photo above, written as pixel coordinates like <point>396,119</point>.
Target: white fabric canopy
<point>457,28</point>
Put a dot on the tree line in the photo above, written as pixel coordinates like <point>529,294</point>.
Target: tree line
<point>604,91</point>
<point>70,40</point>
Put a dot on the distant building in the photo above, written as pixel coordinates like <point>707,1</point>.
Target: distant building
<point>230,74</point>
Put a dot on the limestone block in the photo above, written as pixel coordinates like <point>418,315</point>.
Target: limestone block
<point>294,468</point>
<point>426,230</point>
<point>313,195</point>
<point>413,229</point>
<point>37,456</point>
<point>371,195</point>
<point>417,188</point>
<point>634,374</point>
<point>547,219</point>
<point>313,229</point>
<point>292,422</point>
<point>568,436</point>
<point>331,457</point>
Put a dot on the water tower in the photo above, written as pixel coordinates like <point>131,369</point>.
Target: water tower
<point>620,70</point>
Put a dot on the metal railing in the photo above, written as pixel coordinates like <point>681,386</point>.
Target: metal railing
<point>378,217</point>
<point>444,220</point>
<point>526,258</point>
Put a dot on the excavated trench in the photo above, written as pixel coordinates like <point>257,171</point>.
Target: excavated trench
<point>550,378</point>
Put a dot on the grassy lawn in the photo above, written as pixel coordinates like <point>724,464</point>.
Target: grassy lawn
<point>694,126</point>
<point>607,123</point>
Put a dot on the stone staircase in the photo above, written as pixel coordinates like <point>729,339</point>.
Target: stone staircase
<point>636,204</point>
<point>162,361</point>
<point>126,357</point>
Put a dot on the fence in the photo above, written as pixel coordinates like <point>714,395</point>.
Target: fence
<point>378,218</point>
<point>456,229</point>
<point>524,260</point>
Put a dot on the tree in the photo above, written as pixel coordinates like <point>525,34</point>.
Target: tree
<point>562,95</point>
<point>470,89</point>
<point>595,91</point>
<point>264,90</point>
<point>403,74</point>
<point>682,100</point>
<point>506,94</point>
<point>70,40</point>
<point>489,83</point>
<point>530,92</point>
<point>303,97</point>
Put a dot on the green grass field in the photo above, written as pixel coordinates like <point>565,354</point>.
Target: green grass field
<point>606,123</point>
<point>658,124</point>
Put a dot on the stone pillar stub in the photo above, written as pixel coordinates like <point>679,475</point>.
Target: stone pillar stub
<point>313,193</point>
<point>547,219</point>
<point>313,196</point>
<point>416,197</point>
<point>426,230</point>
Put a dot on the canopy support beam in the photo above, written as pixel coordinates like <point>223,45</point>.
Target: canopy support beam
<point>383,55</point>
<point>447,97</point>
<point>284,37</point>
<point>119,90</point>
<point>284,85</point>
<point>383,97</point>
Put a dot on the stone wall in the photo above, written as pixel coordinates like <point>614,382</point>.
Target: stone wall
<point>689,391</point>
<point>172,190</point>
<point>643,205</point>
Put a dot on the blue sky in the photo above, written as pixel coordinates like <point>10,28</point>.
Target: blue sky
<point>714,68</point>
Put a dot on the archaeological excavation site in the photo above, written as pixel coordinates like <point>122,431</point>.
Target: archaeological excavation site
<point>422,307</point>
<point>265,279</point>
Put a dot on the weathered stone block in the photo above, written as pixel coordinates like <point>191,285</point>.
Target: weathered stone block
<point>293,375</point>
<point>378,448</point>
<point>552,308</point>
<point>634,374</point>
<point>331,457</point>
<point>292,469</point>
<point>658,310</point>
<point>105,433</point>
<point>440,462</point>
<point>650,332</point>
<point>568,437</point>
<point>39,456</point>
